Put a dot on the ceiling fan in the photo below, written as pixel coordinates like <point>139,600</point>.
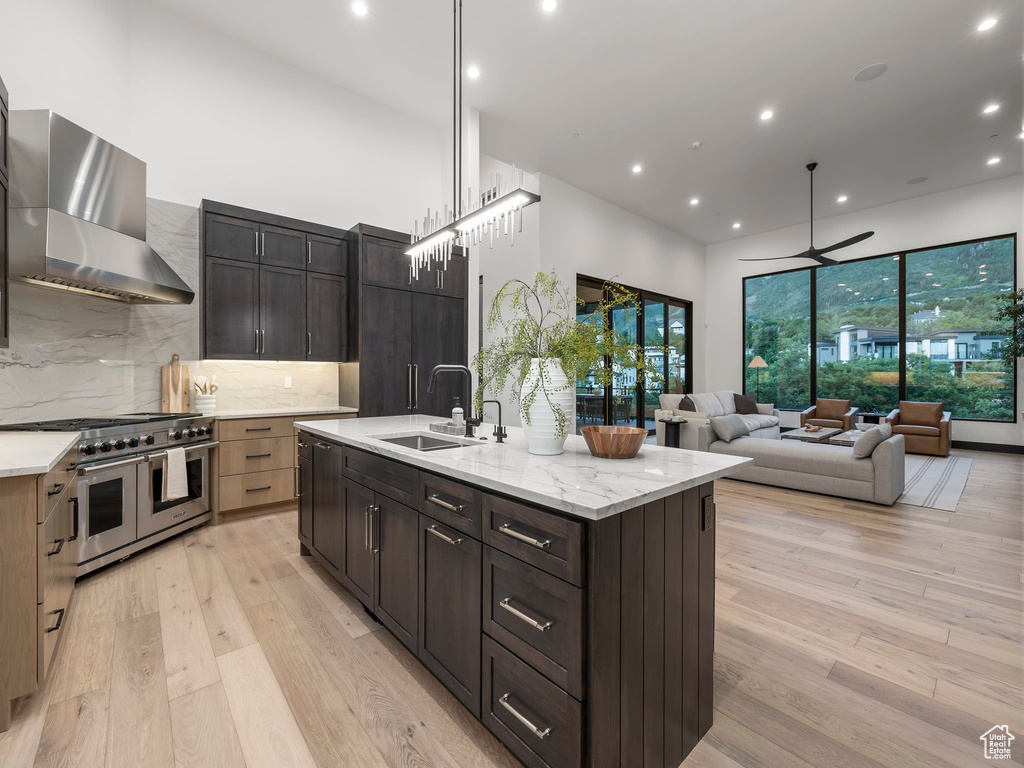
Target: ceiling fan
<point>818,254</point>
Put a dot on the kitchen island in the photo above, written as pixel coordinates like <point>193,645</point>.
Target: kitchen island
<point>566,601</point>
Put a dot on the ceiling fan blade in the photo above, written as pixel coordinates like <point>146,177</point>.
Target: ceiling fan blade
<point>824,260</point>
<point>804,255</point>
<point>846,243</point>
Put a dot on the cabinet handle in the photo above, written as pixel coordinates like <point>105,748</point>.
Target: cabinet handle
<point>543,626</point>
<point>309,343</point>
<point>257,429</point>
<point>56,489</point>
<point>374,534</point>
<point>536,731</point>
<point>257,350</point>
<point>435,499</point>
<point>508,531</point>
<point>416,386</point>
<point>298,483</point>
<point>433,529</point>
<point>259,455</point>
<point>366,528</point>
<point>410,274</point>
<point>263,244</point>
<point>441,275</point>
<point>257,236</point>
<point>325,446</point>
<point>263,341</point>
<point>255,490</point>
<point>309,252</point>
<point>303,445</point>
<point>408,387</point>
<point>60,620</point>
<point>60,546</point>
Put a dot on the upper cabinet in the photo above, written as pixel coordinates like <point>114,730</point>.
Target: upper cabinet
<point>4,217</point>
<point>274,288</point>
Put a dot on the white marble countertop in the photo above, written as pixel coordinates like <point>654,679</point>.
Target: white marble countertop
<point>260,413</point>
<point>574,482</point>
<point>33,453</point>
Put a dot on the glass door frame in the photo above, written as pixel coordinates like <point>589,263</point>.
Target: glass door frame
<point>643,297</point>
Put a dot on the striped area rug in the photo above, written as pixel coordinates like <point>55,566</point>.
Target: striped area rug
<point>935,481</point>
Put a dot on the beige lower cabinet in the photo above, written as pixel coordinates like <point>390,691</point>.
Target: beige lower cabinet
<point>38,563</point>
<point>255,465</point>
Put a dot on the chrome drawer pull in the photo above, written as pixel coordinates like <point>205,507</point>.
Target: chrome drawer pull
<point>435,499</point>
<point>303,445</point>
<point>433,529</point>
<point>258,429</point>
<point>259,456</point>
<point>536,731</point>
<point>325,446</point>
<point>60,546</point>
<point>542,626</point>
<point>504,528</point>
<point>60,620</point>
<point>254,490</point>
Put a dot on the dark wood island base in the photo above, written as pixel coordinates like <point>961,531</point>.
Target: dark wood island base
<point>576,642</point>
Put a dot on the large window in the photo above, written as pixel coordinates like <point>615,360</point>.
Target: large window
<point>777,328</point>
<point>660,326</point>
<point>918,325</point>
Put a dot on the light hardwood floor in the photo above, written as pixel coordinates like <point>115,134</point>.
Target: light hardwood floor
<point>847,635</point>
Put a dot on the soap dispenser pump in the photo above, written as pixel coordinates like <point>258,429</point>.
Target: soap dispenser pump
<point>458,415</point>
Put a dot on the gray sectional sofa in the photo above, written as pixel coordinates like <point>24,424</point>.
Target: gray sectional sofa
<point>764,424</point>
<point>815,467</point>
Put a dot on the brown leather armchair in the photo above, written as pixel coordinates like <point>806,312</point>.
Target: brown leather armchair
<point>829,413</point>
<point>924,426</point>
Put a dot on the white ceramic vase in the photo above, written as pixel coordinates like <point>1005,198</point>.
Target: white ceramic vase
<point>205,404</point>
<point>554,391</point>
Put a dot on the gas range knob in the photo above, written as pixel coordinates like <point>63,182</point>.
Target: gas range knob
<point>105,447</point>
<point>202,431</point>
<point>87,450</point>
<point>133,442</point>
<point>119,445</point>
<point>176,435</point>
<point>191,433</point>
<point>148,440</point>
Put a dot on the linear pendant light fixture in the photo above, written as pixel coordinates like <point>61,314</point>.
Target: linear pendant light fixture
<point>497,212</point>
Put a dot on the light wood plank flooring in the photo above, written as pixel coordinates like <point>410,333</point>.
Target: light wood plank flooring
<point>847,635</point>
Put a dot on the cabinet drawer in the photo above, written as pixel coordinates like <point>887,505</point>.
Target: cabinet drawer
<point>552,543</point>
<point>53,612</point>
<point>245,429</point>
<point>54,483</point>
<point>53,538</point>
<point>540,724</point>
<point>305,446</point>
<point>258,488</point>
<point>536,616</point>
<point>452,503</point>
<point>398,481</point>
<point>241,456</point>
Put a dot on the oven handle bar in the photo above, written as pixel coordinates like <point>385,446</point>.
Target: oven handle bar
<point>94,468</point>
<point>190,449</point>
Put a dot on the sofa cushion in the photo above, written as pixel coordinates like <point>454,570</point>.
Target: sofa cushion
<point>669,402</point>
<point>911,429</point>
<point>728,400</point>
<point>729,427</point>
<point>871,439</point>
<point>745,404</point>
<point>758,420</point>
<point>810,458</point>
<point>766,408</point>
<point>708,403</point>
<point>833,410</point>
<point>922,414</point>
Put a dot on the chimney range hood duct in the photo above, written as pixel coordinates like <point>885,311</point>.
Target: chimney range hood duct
<point>78,215</point>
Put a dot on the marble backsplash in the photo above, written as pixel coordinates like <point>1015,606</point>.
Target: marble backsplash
<point>74,355</point>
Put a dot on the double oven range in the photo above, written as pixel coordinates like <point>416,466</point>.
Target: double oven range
<point>119,477</point>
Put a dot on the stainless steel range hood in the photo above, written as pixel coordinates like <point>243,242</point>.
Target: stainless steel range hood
<point>78,215</point>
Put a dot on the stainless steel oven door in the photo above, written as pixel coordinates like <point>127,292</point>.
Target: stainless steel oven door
<point>155,514</point>
<point>107,499</point>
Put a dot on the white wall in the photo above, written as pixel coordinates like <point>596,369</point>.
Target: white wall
<point>980,210</point>
<point>215,118</point>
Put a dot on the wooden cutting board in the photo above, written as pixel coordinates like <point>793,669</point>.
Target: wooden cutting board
<point>175,386</point>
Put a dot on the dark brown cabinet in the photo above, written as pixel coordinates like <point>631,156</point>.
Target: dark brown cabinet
<point>326,513</point>
<point>357,571</point>
<point>326,317</point>
<point>4,219</point>
<point>438,335</point>
<point>450,282</point>
<point>305,495</point>
<point>301,287</point>
<point>396,537</point>
<point>231,303</point>
<point>385,366</point>
<point>384,263</point>
<point>450,609</point>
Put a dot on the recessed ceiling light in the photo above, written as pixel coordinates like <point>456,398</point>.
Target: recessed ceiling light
<point>637,168</point>
<point>990,108</point>
<point>473,72</point>
<point>994,160</point>
<point>359,8</point>
<point>987,24</point>
<point>736,225</point>
<point>767,115</point>
<point>918,180</point>
<point>842,199</point>
<point>694,201</point>
<point>870,72</point>
<point>549,5</point>
<point>1020,135</point>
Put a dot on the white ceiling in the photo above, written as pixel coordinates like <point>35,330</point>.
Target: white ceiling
<point>640,81</point>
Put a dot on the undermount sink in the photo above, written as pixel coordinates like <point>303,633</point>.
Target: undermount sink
<point>424,442</point>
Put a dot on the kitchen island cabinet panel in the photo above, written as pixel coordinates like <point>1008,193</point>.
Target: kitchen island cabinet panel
<point>396,545</point>
<point>327,535</point>
<point>305,493</point>
<point>357,563</point>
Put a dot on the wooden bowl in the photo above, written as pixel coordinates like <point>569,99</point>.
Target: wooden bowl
<point>614,442</point>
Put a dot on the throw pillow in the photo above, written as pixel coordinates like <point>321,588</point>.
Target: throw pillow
<point>686,404</point>
<point>833,410</point>
<point>766,409</point>
<point>871,439</point>
<point>728,428</point>
<point>745,404</point>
